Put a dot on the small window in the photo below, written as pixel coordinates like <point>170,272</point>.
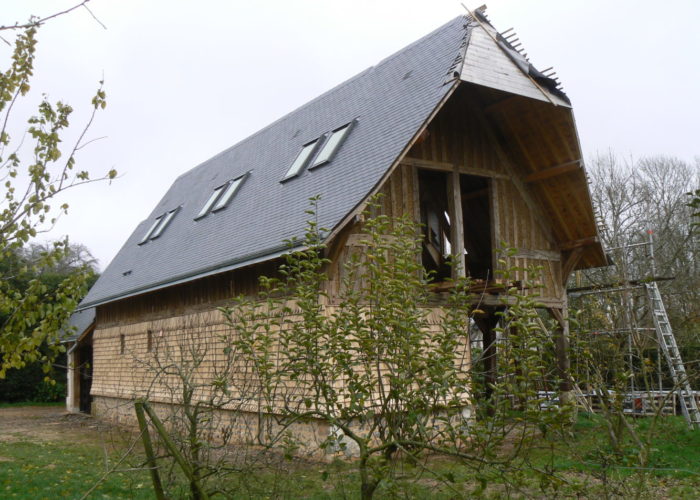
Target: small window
<point>149,341</point>
<point>164,223</point>
<point>301,160</point>
<point>228,194</point>
<point>158,227</point>
<point>221,196</point>
<point>122,343</point>
<point>332,145</point>
<point>150,231</point>
<point>210,202</point>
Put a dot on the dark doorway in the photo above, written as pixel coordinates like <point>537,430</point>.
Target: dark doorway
<point>476,217</point>
<point>85,376</point>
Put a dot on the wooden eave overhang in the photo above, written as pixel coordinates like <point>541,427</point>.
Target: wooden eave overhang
<point>542,141</point>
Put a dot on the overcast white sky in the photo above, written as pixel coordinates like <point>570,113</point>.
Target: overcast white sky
<point>188,79</point>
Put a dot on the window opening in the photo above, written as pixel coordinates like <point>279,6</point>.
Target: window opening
<point>122,343</point>
<point>164,223</point>
<point>221,196</point>
<point>301,160</point>
<point>157,228</point>
<point>332,145</point>
<point>228,194</point>
<point>148,234</point>
<point>210,202</point>
<point>149,341</point>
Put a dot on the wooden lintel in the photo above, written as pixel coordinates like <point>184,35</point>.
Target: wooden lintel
<point>563,168</point>
<point>422,163</point>
<point>524,253</point>
<point>569,263</point>
<point>618,286</point>
<point>450,167</point>
<point>583,242</point>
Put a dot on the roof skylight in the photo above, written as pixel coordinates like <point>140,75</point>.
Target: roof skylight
<point>210,202</point>
<point>147,236</point>
<point>301,160</point>
<point>228,194</point>
<point>221,196</point>
<point>332,145</point>
<point>159,226</point>
<point>329,144</point>
<point>164,223</point>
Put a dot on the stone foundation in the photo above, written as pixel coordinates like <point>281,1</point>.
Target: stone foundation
<point>245,427</point>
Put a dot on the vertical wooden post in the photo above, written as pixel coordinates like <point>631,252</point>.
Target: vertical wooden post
<point>486,325</point>
<point>454,203</point>
<point>561,351</point>
<point>73,383</point>
<point>148,449</point>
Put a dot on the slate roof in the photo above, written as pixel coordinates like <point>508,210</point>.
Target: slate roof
<point>390,102</point>
<point>81,321</point>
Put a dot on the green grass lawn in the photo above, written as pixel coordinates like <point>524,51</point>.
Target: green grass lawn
<point>63,468</point>
<point>60,469</point>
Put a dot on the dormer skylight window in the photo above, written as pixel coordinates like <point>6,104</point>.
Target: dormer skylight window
<point>210,202</point>
<point>147,236</point>
<point>221,196</point>
<point>329,144</point>
<point>332,145</point>
<point>159,226</point>
<point>227,194</point>
<point>164,223</point>
<point>301,160</point>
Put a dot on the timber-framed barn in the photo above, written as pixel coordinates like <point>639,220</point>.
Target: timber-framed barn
<point>458,130</point>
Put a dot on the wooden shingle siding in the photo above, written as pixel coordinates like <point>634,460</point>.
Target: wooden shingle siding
<point>140,373</point>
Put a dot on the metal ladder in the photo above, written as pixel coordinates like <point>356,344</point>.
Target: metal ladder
<point>669,346</point>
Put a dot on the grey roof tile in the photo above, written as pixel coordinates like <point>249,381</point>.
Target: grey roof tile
<point>79,321</point>
<point>264,212</point>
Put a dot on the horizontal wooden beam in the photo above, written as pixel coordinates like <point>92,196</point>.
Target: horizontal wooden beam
<point>563,168</point>
<point>450,167</point>
<point>583,242</point>
<point>524,253</point>
<point>617,286</point>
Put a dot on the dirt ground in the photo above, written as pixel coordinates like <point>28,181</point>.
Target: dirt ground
<point>49,423</point>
